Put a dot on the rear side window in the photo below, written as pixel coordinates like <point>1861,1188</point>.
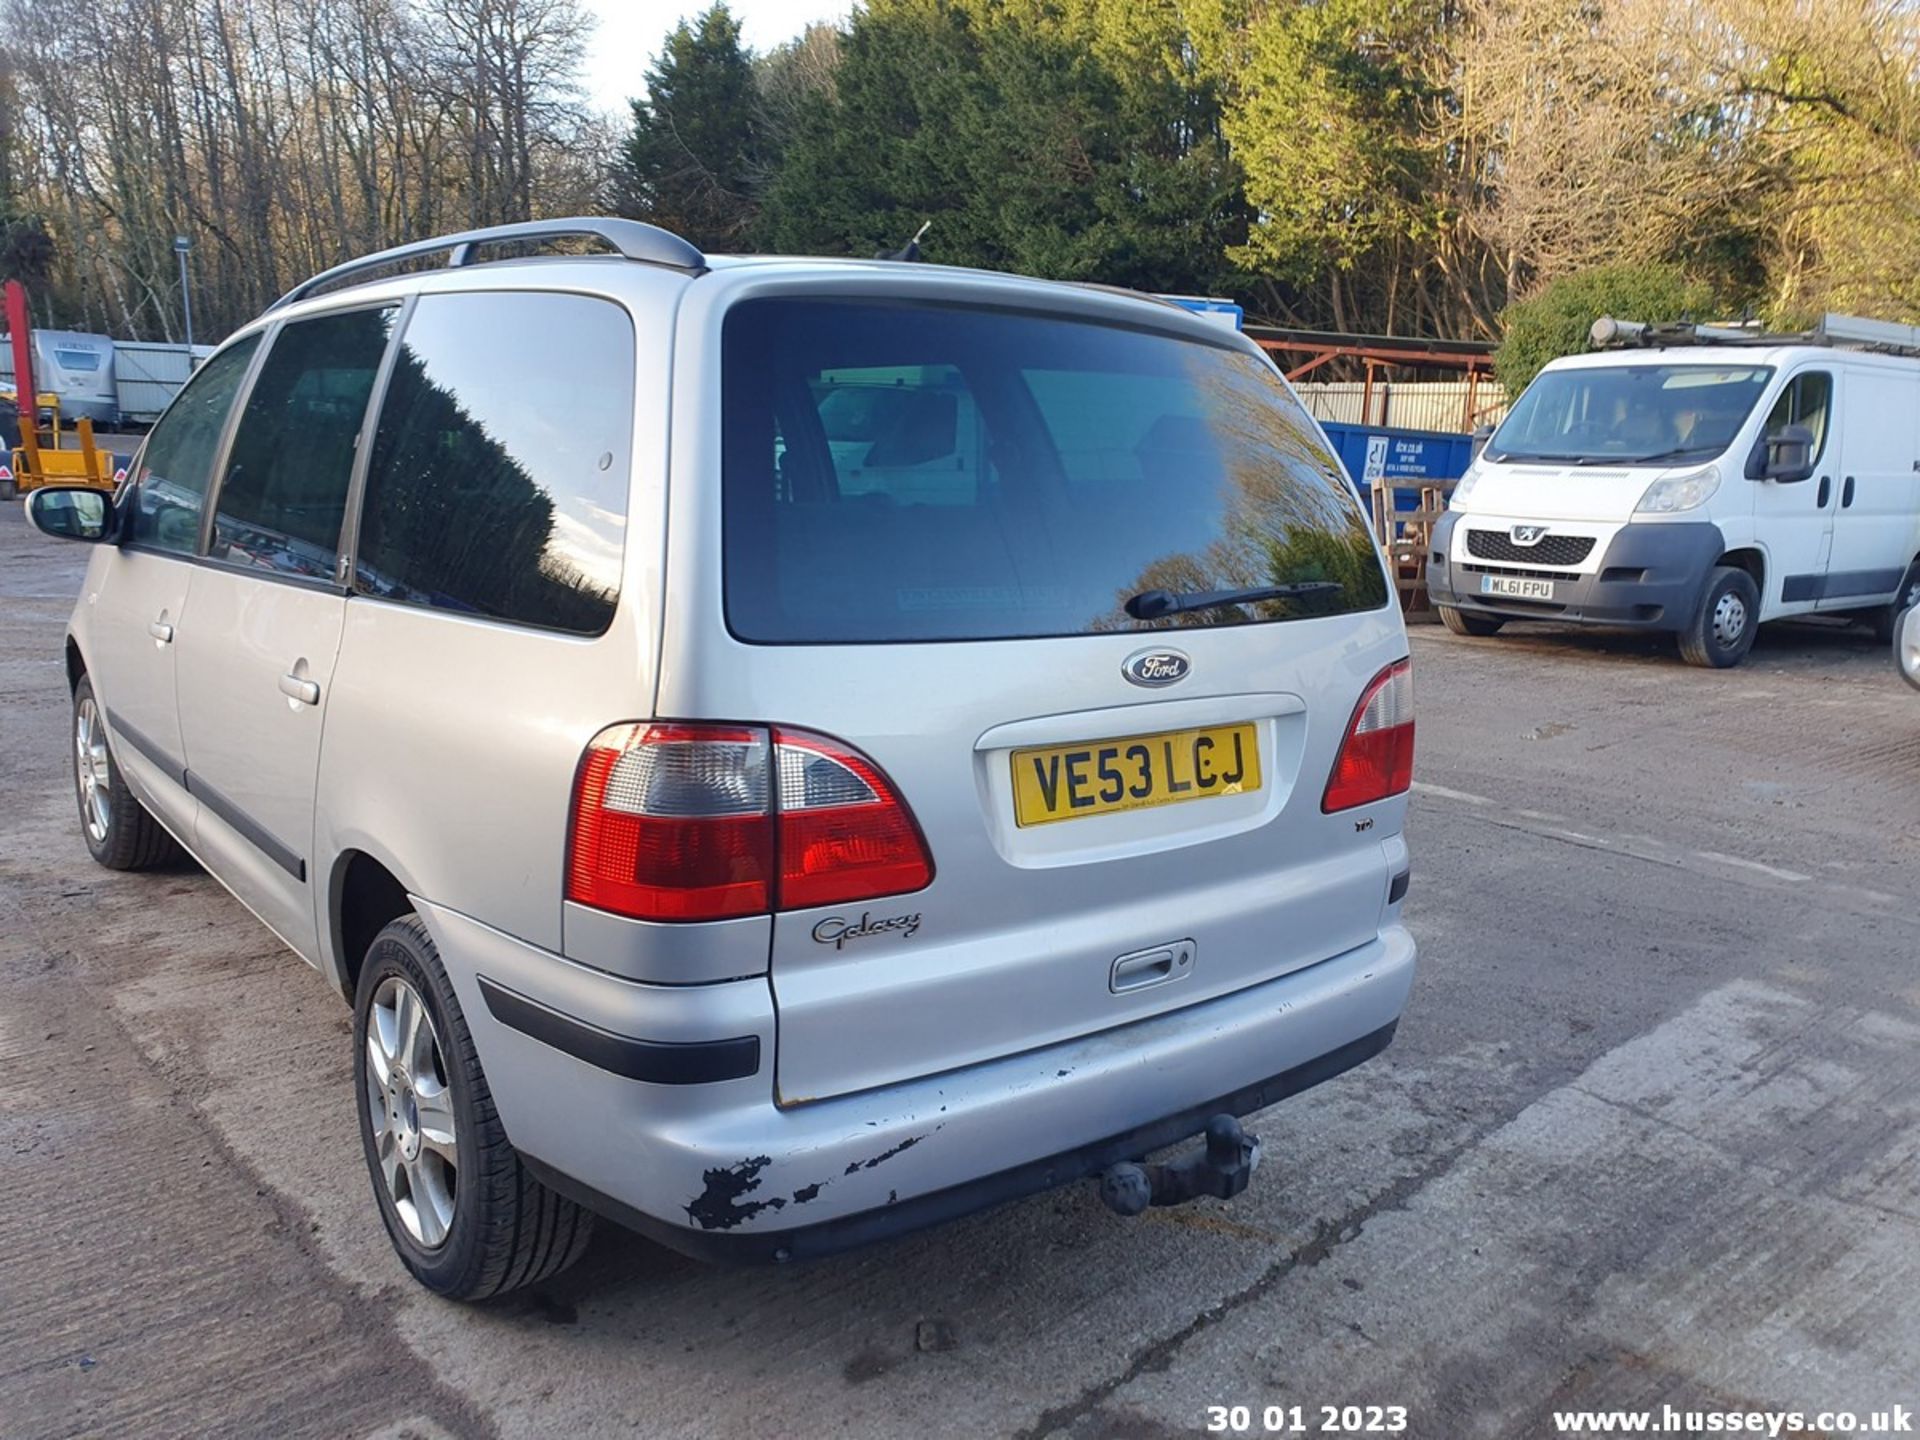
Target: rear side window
<point>903,472</point>
<point>178,460</point>
<point>285,490</point>
<point>498,485</point>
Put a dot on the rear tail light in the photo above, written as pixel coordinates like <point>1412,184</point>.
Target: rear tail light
<point>1376,757</point>
<point>705,822</point>
<point>844,833</point>
<point>670,822</point>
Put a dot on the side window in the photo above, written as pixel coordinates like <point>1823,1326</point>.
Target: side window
<point>1807,400</point>
<point>285,489</point>
<point>171,485</point>
<point>498,483</point>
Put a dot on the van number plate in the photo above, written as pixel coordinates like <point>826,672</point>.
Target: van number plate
<point>1135,772</point>
<point>1517,587</point>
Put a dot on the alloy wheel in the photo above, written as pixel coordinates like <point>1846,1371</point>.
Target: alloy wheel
<point>410,1106</point>
<point>91,770</point>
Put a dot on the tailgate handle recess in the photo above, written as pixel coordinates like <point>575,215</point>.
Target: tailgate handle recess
<point>1142,968</point>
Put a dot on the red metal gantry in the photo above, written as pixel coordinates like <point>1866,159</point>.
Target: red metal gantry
<point>1474,358</point>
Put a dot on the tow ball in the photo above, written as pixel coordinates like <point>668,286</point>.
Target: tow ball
<point>1221,1168</point>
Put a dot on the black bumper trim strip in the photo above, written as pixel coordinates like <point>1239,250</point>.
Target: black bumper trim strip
<point>660,1062</point>
<point>828,1237</point>
<point>147,750</point>
<point>250,829</point>
<point>1839,585</point>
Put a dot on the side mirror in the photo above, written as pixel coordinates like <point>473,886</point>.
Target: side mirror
<point>71,512</point>
<point>1786,456</point>
<point>1906,645</point>
<point>1482,433</point>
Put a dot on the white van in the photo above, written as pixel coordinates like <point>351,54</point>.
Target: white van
<point>1698,488</point>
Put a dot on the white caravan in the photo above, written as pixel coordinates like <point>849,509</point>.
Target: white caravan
<point>1704,482</point>
<point>78,367</point>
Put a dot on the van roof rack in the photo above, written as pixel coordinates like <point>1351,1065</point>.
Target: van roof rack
<point>633,239</point>
<point>1840,331</point>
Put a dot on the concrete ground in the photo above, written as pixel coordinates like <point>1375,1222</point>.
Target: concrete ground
<point>1650,1133</point>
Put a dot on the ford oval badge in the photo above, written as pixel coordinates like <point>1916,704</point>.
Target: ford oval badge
<point>1156,667</point>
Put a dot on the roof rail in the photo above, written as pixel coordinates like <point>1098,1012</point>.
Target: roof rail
<point>1839,331</point>
<point>634,239</point>
<point>1884,335</point>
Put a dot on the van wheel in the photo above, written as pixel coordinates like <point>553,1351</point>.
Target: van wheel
<point>119,832</point>
<point>464,1213</point>
<point>1722,629</point>
<point>1462,623</point>
<point>1887,619</point>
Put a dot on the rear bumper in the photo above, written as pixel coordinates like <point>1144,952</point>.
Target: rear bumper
<point>718,1170</point>
<point>827,1237</point>
<point>1650,577</point>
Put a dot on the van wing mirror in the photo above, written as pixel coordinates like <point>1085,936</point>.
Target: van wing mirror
<point>71,512</point>
<point>1787,455</point>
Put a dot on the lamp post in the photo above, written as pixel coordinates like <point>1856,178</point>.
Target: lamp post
<point>181,245</point>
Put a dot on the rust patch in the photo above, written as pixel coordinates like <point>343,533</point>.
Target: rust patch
<point>906,1144</point>
<point>719,1206</point>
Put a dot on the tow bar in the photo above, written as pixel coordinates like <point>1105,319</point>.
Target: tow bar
<point>1221,1169</point>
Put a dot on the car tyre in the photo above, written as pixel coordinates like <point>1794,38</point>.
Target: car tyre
<point>1887,619</point>
<point>120,832</point>
<point>464,1213</point>
<point>1722,628</point>
<point>1461,622</point>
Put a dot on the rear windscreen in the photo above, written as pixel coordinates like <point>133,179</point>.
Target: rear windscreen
<point>905,472</point>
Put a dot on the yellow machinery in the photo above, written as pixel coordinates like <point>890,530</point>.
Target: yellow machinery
<point>40,457</point>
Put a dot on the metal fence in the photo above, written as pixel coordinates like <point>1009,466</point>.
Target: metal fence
<point>1414,405</point>
<point>149,374</point>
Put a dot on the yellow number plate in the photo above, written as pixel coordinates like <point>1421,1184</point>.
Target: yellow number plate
<point>1136,772</point>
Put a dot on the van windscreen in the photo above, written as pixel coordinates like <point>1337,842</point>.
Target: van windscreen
<point>1629,414</point>
<point>904,472</point>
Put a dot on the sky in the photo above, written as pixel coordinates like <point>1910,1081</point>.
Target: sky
<point>629,33</point>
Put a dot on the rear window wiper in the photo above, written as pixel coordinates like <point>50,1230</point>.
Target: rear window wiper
<point>1158,604</point>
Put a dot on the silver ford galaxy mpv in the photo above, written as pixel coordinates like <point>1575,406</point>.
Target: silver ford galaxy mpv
<point>778,752</point>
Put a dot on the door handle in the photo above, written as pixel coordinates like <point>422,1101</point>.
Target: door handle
<point>307,692</point>
<point>1846,493</point>
<point>1826,489</point>
<point>161,631</point>
<point>1150,967</point>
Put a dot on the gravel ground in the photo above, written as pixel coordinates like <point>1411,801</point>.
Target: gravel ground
<point>1650,1133</point>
